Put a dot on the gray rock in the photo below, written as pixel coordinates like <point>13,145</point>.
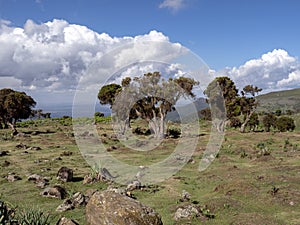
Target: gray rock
<point>3,153</point>
<point>185,196</point>
<point>40,181</point>
<point>187,211</point>
<point>65,174</point>
<point>134,185</point>
<point>107,208</point>
<point>12,177</point>
<point>71,203</point>
<point>54,192</point>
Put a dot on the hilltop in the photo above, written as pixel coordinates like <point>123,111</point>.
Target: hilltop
<point>284,100</point>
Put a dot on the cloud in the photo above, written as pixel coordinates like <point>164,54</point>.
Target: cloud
<point>173,5</point>
<point>55,55</point>
<point>274,70</point>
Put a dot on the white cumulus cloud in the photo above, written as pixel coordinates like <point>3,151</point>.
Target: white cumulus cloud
<point>274,70</point>
<point>55,55</point>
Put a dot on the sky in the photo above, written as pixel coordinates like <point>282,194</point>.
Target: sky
<point>46,46</point>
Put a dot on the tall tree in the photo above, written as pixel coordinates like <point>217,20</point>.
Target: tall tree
<point>14,105</point>
<point>151,97</point>
<point>248,104</point>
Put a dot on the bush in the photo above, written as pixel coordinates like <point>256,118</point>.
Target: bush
<point>269,121</point>
<point>285,124</point>
<point>235,122</point>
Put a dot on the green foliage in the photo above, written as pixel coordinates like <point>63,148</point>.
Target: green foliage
<point>32,216</point>
<point>253,122</point>
<point>235,122</point>
<point>285,124</point>
<point>7,215</point>
<point>269,121</point>
<point>108,93</point>
<point>278,112</point>
<point>14,105</point>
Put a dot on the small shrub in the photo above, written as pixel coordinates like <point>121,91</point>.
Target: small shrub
<point>33,216</point>
<point>7,215</point>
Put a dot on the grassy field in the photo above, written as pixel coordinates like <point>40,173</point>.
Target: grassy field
<point>253,180</point>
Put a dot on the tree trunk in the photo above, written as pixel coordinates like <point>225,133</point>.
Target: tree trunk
<point>243,126</point>
<point>13,127</point>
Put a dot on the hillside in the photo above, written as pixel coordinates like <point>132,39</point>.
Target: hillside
<point>284,100</point>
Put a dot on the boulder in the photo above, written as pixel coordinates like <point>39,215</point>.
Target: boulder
<point>65,174</point>
<point>187,211</point>
<point>108,208</point>
<point>54,192</point>
<point>134,185</point>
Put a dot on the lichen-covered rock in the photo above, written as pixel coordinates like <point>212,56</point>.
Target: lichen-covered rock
<point>54,192</point>
<point>108,208</point>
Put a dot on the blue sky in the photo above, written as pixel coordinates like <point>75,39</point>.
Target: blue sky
<point>257,40</point>
<point>223,33</point>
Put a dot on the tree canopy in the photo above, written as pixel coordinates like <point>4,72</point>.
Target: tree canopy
<point>14,105</point>
<point>150,97</point>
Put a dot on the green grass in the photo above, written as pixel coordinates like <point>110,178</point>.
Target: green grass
<point>237,187</point>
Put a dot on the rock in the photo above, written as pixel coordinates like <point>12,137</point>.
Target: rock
<point>108,208</point>
<point>3,153</point>
<point>134,185</point>
<point>106,174</point>
<point>187,211</point>
<point>5,163</point>
<point>66,221</point>
<point>185,196</point>
<point>54,192</point>
<point>34,148</point>
<point>65,174</point>
<point>21,145</point>
<point>65,206</point>
<point>12,177</point>
<point>76,200</point>
<point>88,194</point>
<point>40,181</point>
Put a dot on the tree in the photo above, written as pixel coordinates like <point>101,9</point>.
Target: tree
<point>14,105</point>
<point>235,104</point>
<point>269,121</point>
<point>253,122</point>
<point>248,104</point>
<point>150,97</point>
<point>285,123</point>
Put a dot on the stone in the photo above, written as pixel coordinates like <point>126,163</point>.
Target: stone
<point>88,194</point>
<point>187,211</point>
<point>107,208</point>
<point>185,196</point>
<point>66,221</point>
<point>12,177</point>
<point>71,203</point>
<point>134,185</point>
<point>21,145</point>
<point>34,148</point>
<point>40,181</point>
<point>54,192</point>
<point>3,153</point>
<point>5,163</point>
<point>65,174</point>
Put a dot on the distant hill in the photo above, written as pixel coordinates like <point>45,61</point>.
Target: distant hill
<point>199,103</point>
<point>284,100</point>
